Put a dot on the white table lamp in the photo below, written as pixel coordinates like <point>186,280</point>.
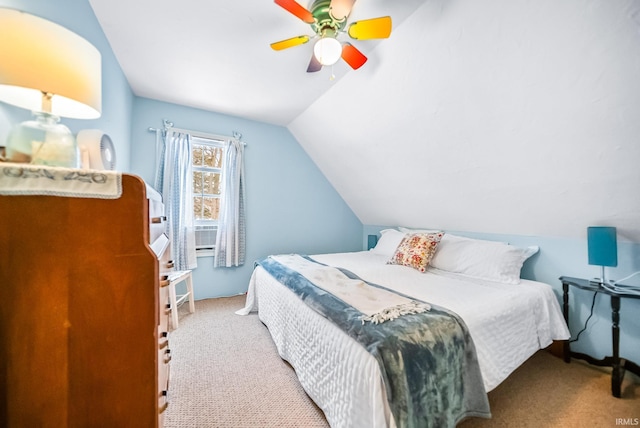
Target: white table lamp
<point>53,72</point>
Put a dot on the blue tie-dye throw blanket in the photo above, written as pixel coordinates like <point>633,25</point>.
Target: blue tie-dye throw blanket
<point>427,360</point>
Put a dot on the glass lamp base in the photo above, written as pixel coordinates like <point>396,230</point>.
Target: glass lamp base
<point>43,141</point>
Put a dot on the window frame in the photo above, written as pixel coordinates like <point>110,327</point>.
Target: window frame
<point>218,141</point>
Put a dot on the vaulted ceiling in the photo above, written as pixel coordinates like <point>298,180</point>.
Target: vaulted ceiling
<point>499,116</point>
<point>216,54</point>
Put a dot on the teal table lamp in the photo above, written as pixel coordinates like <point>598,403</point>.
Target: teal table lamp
<point>603,247</point>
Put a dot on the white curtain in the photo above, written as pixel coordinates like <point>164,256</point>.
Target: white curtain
<point>230,240</point>
<point>174,181</point>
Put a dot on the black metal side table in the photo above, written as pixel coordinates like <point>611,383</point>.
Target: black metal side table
<point>619,365</point>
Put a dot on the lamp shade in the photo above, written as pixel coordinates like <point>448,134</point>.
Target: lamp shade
<point>372,240</point>
<point>603,248</point>
<point>327,50</point>
<point>40,57</point>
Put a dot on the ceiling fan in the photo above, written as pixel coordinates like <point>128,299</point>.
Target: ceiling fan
<point>328,19</point>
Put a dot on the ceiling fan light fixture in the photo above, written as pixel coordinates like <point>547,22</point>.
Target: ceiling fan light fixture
<point>328,19</point>
<point>327,50</point>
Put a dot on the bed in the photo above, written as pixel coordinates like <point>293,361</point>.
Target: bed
<point>507,318</point>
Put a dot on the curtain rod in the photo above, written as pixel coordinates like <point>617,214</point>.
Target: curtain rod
<point>166,125</point>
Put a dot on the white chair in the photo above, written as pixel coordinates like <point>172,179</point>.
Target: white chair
<point>175,300</point>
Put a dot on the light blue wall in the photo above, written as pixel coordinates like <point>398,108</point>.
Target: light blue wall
<point>568,257</point>
<point>117,98</point>
<point>291,207</point>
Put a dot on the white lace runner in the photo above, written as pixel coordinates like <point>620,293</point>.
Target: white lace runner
<point>27,179</point>
<point>377,304</point>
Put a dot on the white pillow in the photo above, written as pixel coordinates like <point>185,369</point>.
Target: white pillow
<point>407,230</point>
<point>477,258</point>
<point>388,242</point>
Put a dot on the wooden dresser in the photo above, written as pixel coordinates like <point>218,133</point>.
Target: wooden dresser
<point>83,310</point>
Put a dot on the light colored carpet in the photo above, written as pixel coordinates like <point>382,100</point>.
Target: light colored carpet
<point>547,392</point>
<point>226,372</point>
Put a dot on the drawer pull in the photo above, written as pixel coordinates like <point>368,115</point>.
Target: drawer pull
<point>157,220</point>
<point>164,280</point>
<point>166,402</point>
<point>167,357</point>
<point>165,342</point>
<point>170,264</point>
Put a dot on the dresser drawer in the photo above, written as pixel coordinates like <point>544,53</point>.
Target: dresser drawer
<point>164,358</point>
<point>165,267</point>
<point>161,246</point>
<point>157,220</point>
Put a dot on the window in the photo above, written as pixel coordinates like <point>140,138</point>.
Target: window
<point>208,155</point>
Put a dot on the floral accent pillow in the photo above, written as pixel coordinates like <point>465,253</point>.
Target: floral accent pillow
<point>416,250</point>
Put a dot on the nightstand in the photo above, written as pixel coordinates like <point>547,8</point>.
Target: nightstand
<point>618,365</point>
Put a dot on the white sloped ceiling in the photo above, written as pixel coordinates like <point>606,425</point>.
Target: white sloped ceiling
<point>497,116</point>
<point>215,54</point>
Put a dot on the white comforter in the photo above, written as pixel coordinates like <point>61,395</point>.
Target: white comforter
<point>508,324</point>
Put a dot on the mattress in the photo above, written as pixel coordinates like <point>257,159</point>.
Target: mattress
<point>507,322</point>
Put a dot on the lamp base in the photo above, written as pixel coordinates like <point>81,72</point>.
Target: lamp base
<point>43,141</point>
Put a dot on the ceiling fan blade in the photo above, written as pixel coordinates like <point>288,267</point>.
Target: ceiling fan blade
<point>340,9</point>
<point>295,8</point>
<point>314,65</point>
<point>353,56</point>
<point>289,43</point>
<point>376,28</point>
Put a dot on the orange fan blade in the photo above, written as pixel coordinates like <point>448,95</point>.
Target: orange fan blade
<point>340,9</point>
<point>289,43</point>
<point>376,28</point>
<point>353,56</point>
<point>295,8</point>
<point>314,65</point>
